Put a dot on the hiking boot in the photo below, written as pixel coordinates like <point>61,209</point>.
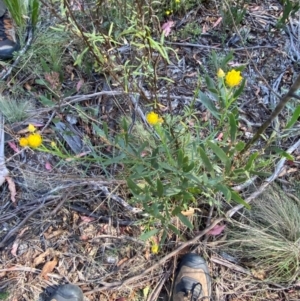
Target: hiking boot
<point>192,282</point>
<point>8,40</point>
<point>67,292</point>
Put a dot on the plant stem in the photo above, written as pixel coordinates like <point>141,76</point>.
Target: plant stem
<point>283,101</point>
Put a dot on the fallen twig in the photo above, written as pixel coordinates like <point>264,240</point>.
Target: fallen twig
<point>156,291</point>
<point>221,48</point>
<point>229,265</point>
<point>119,200</point>
<point>16,228</point>
<point>3,170</point>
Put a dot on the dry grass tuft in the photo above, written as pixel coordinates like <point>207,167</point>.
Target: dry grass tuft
<point>269,236</point>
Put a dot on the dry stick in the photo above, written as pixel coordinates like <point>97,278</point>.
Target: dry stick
<point>159,263</point>
<point>15,229</point>
<point>230,265</point>
<point>156,291</point>
<point>60,204</point>
<point>283,101</point>
<point>3,170</point>
<point>219,48</point>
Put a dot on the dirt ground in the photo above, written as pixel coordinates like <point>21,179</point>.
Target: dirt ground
<point>69,225</point>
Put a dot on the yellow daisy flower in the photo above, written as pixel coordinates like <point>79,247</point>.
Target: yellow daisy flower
<point>233,78</point>
<point>153,118</point>
<point>34,140</point>
<point>220,73</point>
<point>31,128</point>
<point>167,12</point>
<point>23,141</point>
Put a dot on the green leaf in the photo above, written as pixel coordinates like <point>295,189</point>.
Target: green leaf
<point>226,60</point>
<point>154,163</point>
<point>210,84</point>
<point>218,151</point>
<point>97,130</point>
<point>135,189</point>
<point>225,190</point>
<point>149,234</point>
<point>80,57</point>
<point>185,220</point>
<point>233,127</point>
<point>240,146</point>
<point>179,158</point>
<point>105,129</point>
<point>236,197</point>
<point>260,173</point>
<point>41,82</point>
<point>209,105</point>
<point>240,89</point>
<point>294,118</point>
<point>283,153</point>
<point>251,160</point>
<point>174,229</point>
<point>186,196</point>
<point>205,160</point>
<point>160,188</point>
<point>228,166</point>
<point>176,210</point>
<point>188,168</point>
<point>172,191</point>
<point>46,102</point>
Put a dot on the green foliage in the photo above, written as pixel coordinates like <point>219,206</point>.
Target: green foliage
<point>170,169</point>
<point>131,23</point>
<point>233,13</point>
<point>21,8</point>
<point>190,31</point>
<point>290,8</point>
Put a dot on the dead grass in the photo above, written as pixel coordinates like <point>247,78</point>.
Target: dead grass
<point>268,236</point>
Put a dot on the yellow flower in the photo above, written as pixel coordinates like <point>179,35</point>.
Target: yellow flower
<point>167,12</point>
<point>31,128</point>
<point>220,73</point>
<point>23,142</point>
<point>154,248</point>
<point>177,1</point>
<point>153,118</point>
<point>34,140</point>
<point>53,144</point>
<point>233,78</point>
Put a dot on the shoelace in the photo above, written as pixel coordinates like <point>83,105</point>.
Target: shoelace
<point>195,294</point>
